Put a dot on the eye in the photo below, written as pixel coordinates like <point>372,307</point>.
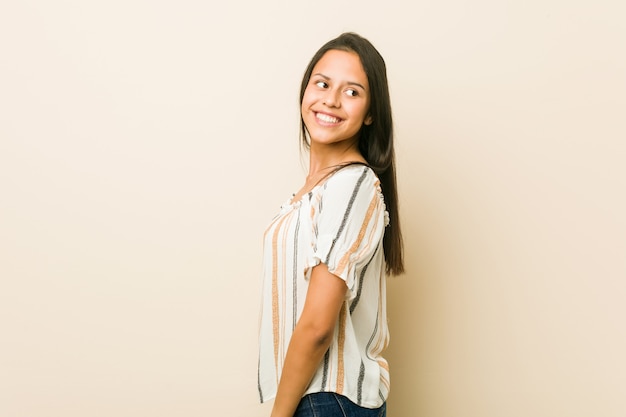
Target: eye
<point>322,84</point>
<point>352,92</point>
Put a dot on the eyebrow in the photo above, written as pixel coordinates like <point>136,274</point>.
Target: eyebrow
<point>348,82</point>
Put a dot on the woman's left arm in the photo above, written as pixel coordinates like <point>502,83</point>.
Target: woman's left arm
<point>311,338</point>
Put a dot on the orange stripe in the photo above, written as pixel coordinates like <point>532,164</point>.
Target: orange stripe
<point>313,223</point>
<point>368,215</point>
<point>384,377</point>
<point>275,328</point>
<point>284,227</point>
<point>382,339</point>
<point>382,283</point>
<point>385,383</point>
<point>272,223</point>
<point>341,341</point>
<point>369,241</point>
<point>381,319</point>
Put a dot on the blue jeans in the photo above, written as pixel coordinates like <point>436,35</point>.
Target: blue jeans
<point>329,404</point>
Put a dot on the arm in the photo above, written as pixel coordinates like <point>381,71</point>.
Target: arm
<point>311,338</point>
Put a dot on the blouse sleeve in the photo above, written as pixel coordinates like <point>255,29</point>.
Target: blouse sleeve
<point>348,219</point>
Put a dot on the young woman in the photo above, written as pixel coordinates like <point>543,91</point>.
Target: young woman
<point>326,254</point>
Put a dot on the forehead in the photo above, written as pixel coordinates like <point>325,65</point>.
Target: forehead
<point>341,66</point>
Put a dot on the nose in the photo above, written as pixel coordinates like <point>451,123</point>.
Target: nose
<point>332,99</point>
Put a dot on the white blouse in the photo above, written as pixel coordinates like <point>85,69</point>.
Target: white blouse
<point>340,223</point>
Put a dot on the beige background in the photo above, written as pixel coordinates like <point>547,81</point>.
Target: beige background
<point>145,145</point>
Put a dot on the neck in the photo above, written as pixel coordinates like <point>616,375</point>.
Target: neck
<point>321,158</point>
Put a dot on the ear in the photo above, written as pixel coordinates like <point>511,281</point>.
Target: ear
<point>368,120</point>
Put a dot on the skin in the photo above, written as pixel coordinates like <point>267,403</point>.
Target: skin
<point>338,89</point>
<point>334,108</point>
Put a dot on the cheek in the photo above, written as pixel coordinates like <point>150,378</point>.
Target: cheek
<point>304,106</point>
<point>359,111</point>
<point>308,98</point>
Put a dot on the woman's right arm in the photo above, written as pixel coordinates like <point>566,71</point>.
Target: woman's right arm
<point>311,338</point>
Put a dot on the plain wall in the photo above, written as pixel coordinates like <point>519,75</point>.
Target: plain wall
<point>145,145</point>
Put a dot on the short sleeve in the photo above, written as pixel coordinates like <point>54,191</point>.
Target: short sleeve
<point>348,219</point>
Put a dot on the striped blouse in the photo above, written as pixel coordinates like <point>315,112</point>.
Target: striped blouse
<point>341,224</point>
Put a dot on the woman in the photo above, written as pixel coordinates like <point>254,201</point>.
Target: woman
<point>326,254</point>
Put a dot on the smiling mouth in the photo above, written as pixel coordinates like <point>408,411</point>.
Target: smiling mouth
<point>325,118</point>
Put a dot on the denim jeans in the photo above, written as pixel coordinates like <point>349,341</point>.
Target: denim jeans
<point>329,404</point>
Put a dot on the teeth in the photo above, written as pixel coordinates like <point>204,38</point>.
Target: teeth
<point>328,119</point>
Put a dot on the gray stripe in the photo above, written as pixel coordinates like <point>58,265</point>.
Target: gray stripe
<point>325,372</point>
<point>367,348</point>
<point>360,383</point>
<point>361,277</point>
<point>347,212</point>
<point>259,379</point>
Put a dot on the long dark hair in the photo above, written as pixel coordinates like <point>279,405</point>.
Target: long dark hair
<point>376,139</point>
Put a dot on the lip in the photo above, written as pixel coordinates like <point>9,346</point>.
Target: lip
<point>327,115</point>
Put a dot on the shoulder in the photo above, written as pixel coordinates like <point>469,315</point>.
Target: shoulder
<point>355,187</point>
<point>352,178</point>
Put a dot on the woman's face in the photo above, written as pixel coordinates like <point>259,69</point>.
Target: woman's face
<point>336,100</point>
